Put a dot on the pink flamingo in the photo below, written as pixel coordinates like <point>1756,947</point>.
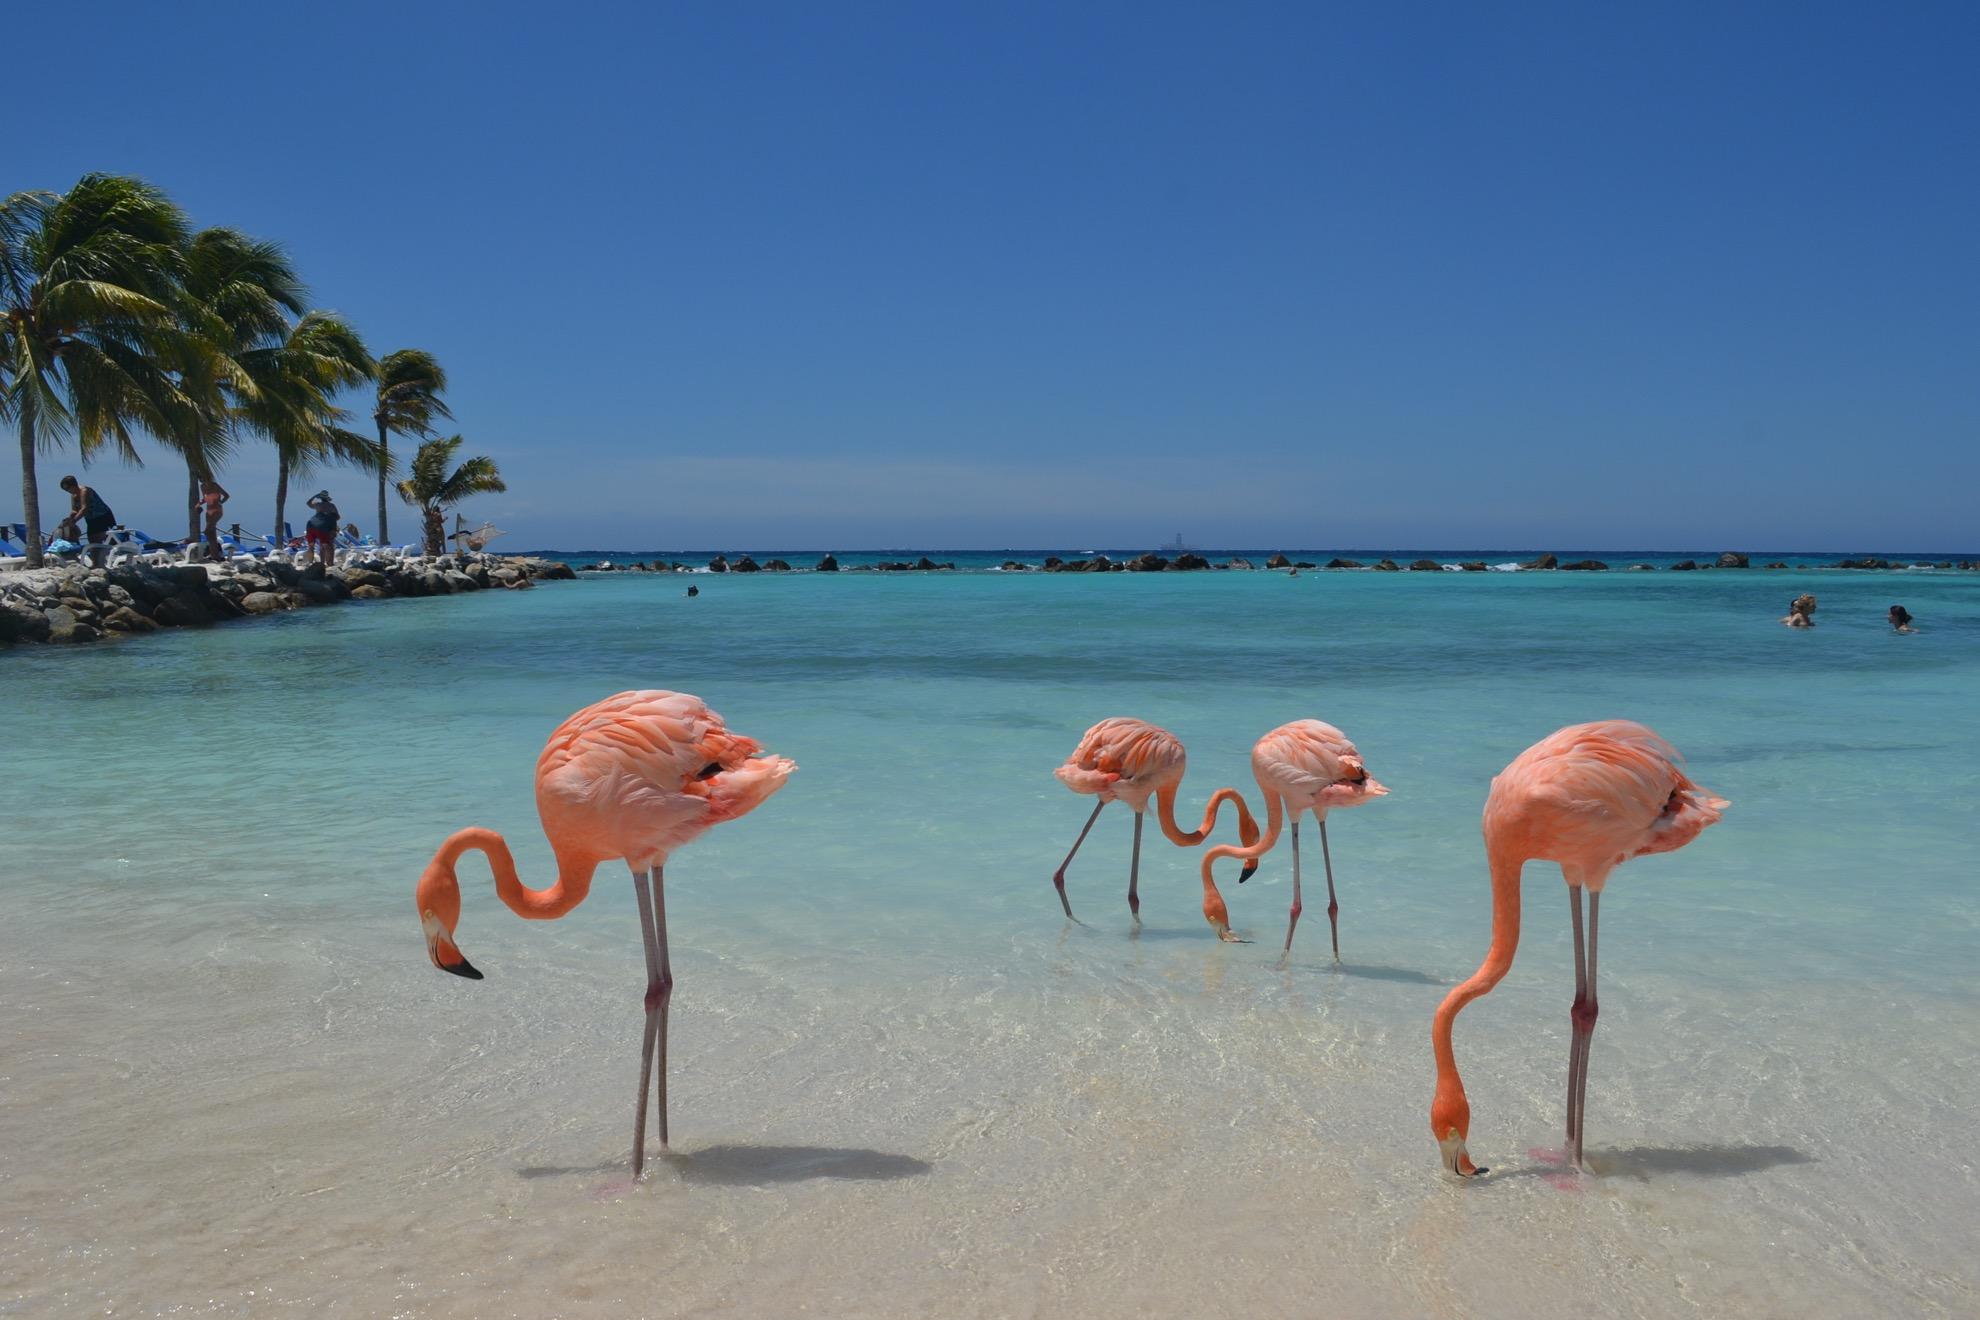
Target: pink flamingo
<point>633,777</point>
<point>1589,797</point>
<point>1303,766</point>
<point>1127,760</point>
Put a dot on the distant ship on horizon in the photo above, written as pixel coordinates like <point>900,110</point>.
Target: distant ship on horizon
<point>1176,546</point>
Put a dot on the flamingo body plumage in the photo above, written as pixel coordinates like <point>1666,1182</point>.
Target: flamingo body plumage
<point>1588,797</point>
<point>1307,765</point>
<point>1134,762</point>
<point>632,778</point>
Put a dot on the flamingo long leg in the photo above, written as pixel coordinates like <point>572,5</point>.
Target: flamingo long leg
<point>1333,908</point>
<point>1134,872</point>
<point>1292,919</point>
<point>1574,1012</point>
<point>665,993</point>
<point>646,1046</point>
<point>1059,876</point>
<point>1585,1021</point>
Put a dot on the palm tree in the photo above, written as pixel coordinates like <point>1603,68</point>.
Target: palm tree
<point>295,381</point>
<point>409,385</point>
<point>242,293</point>
<point>434,490</point>
<point>89,292</point>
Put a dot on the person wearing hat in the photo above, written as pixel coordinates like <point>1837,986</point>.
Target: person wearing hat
<point>320,534</point>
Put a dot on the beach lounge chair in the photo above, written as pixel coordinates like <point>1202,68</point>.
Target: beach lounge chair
<point>127,543</point>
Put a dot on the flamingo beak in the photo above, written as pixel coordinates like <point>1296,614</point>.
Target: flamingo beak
<point>443,951</point>
<point>1250,869</point>
<point>1456,1159</point>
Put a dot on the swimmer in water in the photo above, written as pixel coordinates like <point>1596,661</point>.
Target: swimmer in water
<point>1901,620</point>
<point>1801,612</point>
<point>694,591</point>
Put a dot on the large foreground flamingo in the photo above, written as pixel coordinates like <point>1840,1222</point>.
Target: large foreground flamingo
<point>1303,766</point>
<point>633,778</point>
<point>1127,760</point>
<point>1590,797</point>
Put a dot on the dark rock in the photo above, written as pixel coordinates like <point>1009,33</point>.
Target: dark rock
<point>186,610</point>
<point>21,622</point>
<point>316,591</point>
<point>925,564</point>
<point>1343,563</point>
<point>127,620</point>
<point>1240,563</point>
<point>1388,566</point>
<point>1013,566</point>
<point>829,564</point>
<point>313,571</point>
<point>457,581</point>
<point>1684,566</point>
<point>64,626</point>
<point>267,602</point>
<point>776,566</point>
<point>281,574</point>
<point>1733,559</point>
<point>360,577</point>
<point>1777,564</point>
<point>1642,568</point>
<point>1544,561</point>
<point>1053,564</point>
<point>719,564</point>
<point>1305,563</point>
<point>1149,563</point>
<point>81,608</point>
<point>1473,566</point>
<point>369,592</point>
<point>1278,561</point>
<point>1188,562</point>
<point>746,565</point>
<point>1425,566</point>
<point>1586,566</point>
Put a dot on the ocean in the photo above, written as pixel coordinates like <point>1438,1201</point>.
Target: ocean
<point>902,1082</point>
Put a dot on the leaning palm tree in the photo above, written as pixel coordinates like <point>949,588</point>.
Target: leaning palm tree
<point>434,490</point>
<point>89,293</point>
<point>241,293</point>
<point>410,382</point>
<point>296,381</point>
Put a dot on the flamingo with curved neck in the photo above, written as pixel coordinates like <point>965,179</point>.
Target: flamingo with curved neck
<point>1307,765</point>
<point>632,778</point>
<point>1131,761</point>
<point>1589,797</point>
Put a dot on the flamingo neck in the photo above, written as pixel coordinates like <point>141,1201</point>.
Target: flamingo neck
<point>1450,1111</point>
<point>1165,809</point>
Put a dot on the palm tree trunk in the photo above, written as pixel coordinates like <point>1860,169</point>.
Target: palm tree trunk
<point>436,534</point>
<point>30,498</point>
<point>192,500</point>
<point>281,493</point>
<point>384,462</point>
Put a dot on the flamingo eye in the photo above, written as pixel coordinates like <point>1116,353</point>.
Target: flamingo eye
<point>710,770</point>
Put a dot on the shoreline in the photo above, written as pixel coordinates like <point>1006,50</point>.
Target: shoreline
<point>73,604</point>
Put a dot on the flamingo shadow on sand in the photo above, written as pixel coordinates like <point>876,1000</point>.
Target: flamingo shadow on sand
<point>764,1166</point>
<point>1646,1163</point>
<point>1403,975</point>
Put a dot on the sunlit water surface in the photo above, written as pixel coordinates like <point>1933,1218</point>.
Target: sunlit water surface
<point>231,1084</point>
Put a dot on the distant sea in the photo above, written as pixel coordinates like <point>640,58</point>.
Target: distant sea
<point>990,560</point>
<point>903,1083</point>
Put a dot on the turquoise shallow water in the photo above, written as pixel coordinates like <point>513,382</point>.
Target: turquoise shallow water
<point>902,1082</point>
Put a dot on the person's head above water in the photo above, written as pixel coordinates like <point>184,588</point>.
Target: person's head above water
<point>1802,604</point>
<point>1900,617</point>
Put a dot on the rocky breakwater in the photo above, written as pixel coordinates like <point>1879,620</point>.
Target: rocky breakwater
<point>77,604</point>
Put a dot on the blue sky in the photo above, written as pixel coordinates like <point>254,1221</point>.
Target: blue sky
<point>850,275</point>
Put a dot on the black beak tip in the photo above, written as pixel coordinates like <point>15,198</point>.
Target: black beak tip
<point>1480,1171</point>
<point>463,968</point>
<point>1247,873</point>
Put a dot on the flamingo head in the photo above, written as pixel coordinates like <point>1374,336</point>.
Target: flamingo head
<point>1450,1123</point>
<point>733,774</point>
<point>438,898</point>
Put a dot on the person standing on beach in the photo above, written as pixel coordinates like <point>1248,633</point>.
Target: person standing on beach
<point>212,498</point>
<point>320,534</point>
<point>1801,612</point>
<point>1901,620</point>
<point>87,505</point>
